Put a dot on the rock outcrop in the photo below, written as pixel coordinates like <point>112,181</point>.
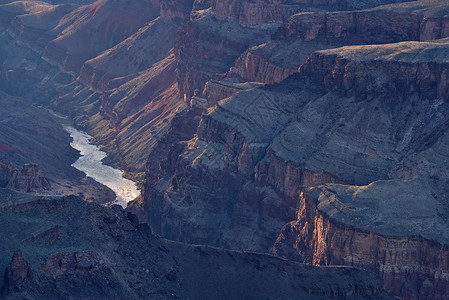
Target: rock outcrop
<point>135,54</point>
<point>206,47</point>
<point>119,94</point>
<point>227,159</point>
<point>33,138</point>
<point>102,18</point>
<point>26,133</point>
<point>253,13</point>
<point>28,179</point>
<point>17,276</point>
<point>252,67</point>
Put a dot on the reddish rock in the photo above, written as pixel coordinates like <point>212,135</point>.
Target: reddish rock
<point>28,179</point>
<point>412,267</point>
<point>102,254</point>
<point>17,276</point>
<point>252,67</point>
<point>133,55</point>
<point>73,44</point>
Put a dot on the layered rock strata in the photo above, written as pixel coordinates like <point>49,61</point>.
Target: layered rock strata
<point>387,227</point>
<point>307,32</point>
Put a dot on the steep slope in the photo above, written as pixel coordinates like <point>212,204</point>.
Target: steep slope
<point>138,113</point>
<point>68,35</point>
<point>138,52</point>
<point>65,247</point>
<point>126,96</point>
<point>86,32</point>
<point>394,228</point>
<point>227,164</point>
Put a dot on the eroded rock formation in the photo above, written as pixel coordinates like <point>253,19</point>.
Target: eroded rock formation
<point>28,179</point>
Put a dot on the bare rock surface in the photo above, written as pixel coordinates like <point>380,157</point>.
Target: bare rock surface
<point>390,208</point>
<point>110,97</point>
<point>17,275</point>
<point>35,153</point>
<point>148,45</point>
<point>252,13</point>
<point>227,161</point>
<point>399,238</point>
<point>28,179</point>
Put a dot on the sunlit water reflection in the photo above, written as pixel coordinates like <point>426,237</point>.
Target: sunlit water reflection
<point>91,163</point>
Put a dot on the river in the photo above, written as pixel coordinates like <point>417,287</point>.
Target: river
<point>92,165</point>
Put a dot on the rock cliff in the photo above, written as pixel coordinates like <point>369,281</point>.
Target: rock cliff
<point>206,47</point>
<point>306,32</point>
<point>86,32</point>
<point>135,54</point>
<point>252,13</point>
<point>17,275</point>
<point>35,153</point>
<point>387,227</point>
<point>28,179</point>
<point>120,93</point>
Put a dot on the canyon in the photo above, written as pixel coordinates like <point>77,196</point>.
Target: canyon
<point>315,131</point>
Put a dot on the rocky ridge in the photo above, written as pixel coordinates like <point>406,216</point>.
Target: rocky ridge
<point>35,153</point>
<point>108,100</point>
<point>71,248</point>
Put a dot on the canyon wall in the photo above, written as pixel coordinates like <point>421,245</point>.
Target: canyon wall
<point>411,266</point>
<point>352,115</point>
<point>304,33</point>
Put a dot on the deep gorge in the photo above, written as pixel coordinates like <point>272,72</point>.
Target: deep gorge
<point>271,127</point>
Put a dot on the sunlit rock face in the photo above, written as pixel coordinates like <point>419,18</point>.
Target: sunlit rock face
<point>125,90</point>
<point>306,32</point>
<point>253,13</point>
<point>390,227</point>
<point>106,17</point>
<point>136,53</point>
<point>214,38</point>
